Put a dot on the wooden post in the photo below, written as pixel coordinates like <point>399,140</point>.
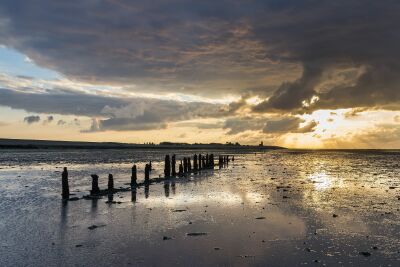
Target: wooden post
<point>207,161</point>
<point>203,162</point>
<point>173,165</point>
<point>181,169</point>
<point>195,166</point>
<point>150,166</point>
<point>64,182</point>
<point>189,164</point>
<point>220,162</point>
<point>200,166</point>
<point>212,161</point>
<point>233,158</point>
<point>167,167</point>
<point>110,183</point>
<point>185,165</point>
<point>134,176</point>
<point>147,173</point>
<point>95,184</point>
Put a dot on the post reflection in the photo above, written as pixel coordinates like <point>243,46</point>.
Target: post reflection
<point>166,188</point>
<point>146,190</point>
<point>110,198</point>
<point>64,213</point>
<point>93,207</point>
<point>133,195</point>
<point>173,186</point>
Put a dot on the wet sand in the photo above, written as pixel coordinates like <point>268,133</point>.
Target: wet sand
<point>279,208</point>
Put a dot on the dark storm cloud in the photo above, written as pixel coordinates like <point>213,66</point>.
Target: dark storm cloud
<point>58,102</point>
<point>324,36</point>
<point>31,119</point>
<point>218,47</point>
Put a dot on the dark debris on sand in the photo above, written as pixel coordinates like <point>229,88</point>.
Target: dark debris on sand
<point>196,234</point>
<point>365,253</point>
<point>92,227</point>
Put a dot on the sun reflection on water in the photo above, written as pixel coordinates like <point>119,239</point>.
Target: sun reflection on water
<point>321,180</point>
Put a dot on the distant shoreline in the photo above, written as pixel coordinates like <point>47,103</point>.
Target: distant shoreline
<point>49,144</point>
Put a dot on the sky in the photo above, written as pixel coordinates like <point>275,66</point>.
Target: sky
<point>301,74</point>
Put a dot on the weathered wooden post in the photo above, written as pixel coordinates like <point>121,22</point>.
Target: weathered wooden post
<point>64,183</point>
<point>220,162</point>
<point>95,185</point>
<point>134,176</point>
<point>110,183</point>
<point>227,158</point>
<point>180,169</point>
<point>233,158</point>
<point>207,161</point>
<point>173,165</point>
<point>189,164</point>
<point>195,166</point>
<point>212,161</point>
<point>167,167</point>
<point>147,173</point>
<point>200,166</point>
<point>203,162</point>
<point>150,166</point>
<point>185,165</point>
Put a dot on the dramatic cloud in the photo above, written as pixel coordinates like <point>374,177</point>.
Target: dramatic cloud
<point>220,47</point>
<point>379,136</point>
<point>274,126</point>
<point>31,119</point>
<point>288,125</point>
<point>242,124</point>
<point>130,65</point>
<point>112,113</point>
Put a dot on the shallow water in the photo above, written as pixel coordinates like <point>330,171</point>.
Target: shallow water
<point>267,209</point>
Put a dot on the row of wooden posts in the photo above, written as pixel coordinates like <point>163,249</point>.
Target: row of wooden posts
<point>200,162</point>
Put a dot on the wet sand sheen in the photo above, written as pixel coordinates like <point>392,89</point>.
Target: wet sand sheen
<point>280,208</point>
